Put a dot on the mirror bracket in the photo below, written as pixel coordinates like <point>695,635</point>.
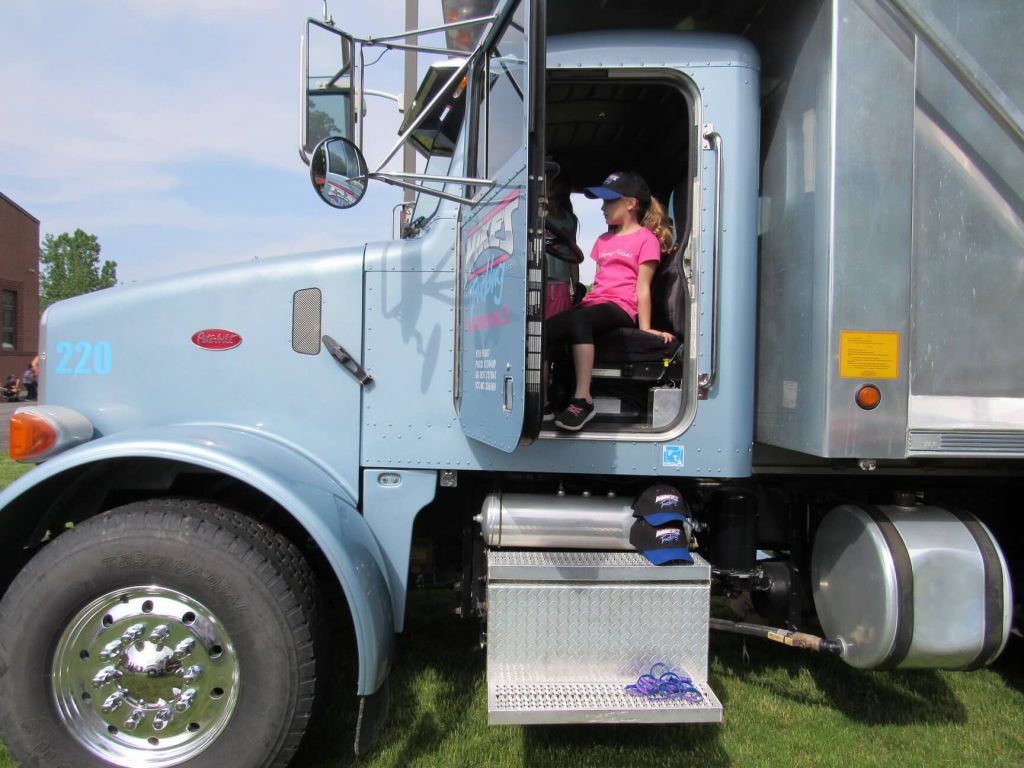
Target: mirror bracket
<point>328,19</point>
<point>396,180</point>
<point>479,20</point>
<point>345,189</point>
<point>352,67</point>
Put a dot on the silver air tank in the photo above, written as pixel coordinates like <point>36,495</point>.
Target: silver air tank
<point>556,522</point>
<point>911,586</point>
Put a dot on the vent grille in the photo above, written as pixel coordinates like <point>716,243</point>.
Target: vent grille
<point>973,443</point>
<point>306,321</point>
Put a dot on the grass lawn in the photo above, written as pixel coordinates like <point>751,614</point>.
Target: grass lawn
<point>782,708</point>
<point>10,470</point>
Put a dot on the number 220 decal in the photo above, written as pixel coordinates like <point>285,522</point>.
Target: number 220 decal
<point>83,358</point>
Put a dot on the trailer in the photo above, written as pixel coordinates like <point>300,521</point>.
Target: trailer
<point>834,436</point>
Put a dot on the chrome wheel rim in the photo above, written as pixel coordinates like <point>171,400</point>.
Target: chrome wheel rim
<point>145,676</point>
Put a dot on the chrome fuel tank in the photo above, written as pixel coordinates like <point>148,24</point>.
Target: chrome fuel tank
<point>915,586</point>
<point>538,521</point>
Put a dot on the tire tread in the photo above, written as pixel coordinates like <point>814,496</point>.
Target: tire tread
<point>268,555</point>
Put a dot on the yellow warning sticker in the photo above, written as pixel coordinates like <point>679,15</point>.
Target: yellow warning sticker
<point>869,354</point>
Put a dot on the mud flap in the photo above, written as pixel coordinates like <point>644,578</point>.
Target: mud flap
<point>373,711</point>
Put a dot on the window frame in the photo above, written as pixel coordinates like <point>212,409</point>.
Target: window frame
<point>12,329</point>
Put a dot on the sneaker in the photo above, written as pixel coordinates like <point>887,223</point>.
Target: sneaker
<point>549,413</point>
<point>576,415</point>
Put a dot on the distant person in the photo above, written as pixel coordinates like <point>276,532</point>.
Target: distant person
<point>29,379</point>
<point>11,387</point>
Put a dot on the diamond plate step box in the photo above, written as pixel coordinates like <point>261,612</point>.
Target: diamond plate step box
<point>568,631</point>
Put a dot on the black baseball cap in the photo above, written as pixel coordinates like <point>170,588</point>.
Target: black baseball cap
<point>621,184</point>
<point>662,528</point>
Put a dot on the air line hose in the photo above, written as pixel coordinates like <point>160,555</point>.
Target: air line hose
<point>778,635</point>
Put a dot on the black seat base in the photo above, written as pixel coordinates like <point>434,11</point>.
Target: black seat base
<point>631,345</point>
<point>629,353</point>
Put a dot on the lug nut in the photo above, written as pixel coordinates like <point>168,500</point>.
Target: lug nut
<point>186,700</point>
<point>184,648</point>
<point>106,675</point>
<point>192,674</point>
<point>133,633</point>
<point>163,717</point>
<point>111,650</point>
<point>134,720</point>
<point>159,634</point>
<point>114,700</point>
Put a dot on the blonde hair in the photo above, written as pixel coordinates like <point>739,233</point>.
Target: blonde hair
<point>656,220</point>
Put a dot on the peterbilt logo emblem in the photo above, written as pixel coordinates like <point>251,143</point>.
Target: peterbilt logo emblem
<point>216,339</point>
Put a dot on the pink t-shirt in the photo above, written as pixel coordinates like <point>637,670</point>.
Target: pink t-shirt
<point>618,260</point>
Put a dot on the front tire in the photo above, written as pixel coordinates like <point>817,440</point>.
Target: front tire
<point>162,633</point>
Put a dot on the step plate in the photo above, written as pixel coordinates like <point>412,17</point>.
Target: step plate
<point>568,631</point>
<point>563,703</point>
<point>517,565</point>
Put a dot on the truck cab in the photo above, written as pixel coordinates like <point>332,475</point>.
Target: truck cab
<point>599,106</point>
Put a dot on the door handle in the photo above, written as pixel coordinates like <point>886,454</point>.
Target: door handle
<point>507,394</point>
<point>339,353</point>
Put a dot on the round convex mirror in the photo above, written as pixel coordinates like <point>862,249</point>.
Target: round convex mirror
<point>338,172</point>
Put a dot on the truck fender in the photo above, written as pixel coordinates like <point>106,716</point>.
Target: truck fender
<point>318,500</point>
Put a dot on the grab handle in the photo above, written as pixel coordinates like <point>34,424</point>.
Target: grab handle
<point>707,380</point>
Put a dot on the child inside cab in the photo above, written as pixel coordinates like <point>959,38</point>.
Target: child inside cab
<point>627,257</point>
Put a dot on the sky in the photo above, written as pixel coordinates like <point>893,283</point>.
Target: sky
<point>169,128</point>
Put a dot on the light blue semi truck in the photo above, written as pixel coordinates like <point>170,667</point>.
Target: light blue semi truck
<point>841,411</point>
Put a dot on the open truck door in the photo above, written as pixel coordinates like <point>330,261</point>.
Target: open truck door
<point>501,246</point>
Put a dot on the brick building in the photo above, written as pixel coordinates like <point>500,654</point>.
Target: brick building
<point>19,287</point>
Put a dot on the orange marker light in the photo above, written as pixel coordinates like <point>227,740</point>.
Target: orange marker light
<point>868,397</point>
<point>31,436</point>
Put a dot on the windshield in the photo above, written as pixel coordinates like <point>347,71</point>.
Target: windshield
<point>426,204</point>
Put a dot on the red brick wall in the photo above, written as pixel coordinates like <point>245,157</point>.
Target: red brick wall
<point>19,272</point>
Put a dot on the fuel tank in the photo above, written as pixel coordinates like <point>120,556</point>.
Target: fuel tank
<point>538,521</point>
<point>911,586</point>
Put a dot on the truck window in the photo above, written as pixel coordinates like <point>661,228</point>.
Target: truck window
<point>427,205</point>
<point>501,129</point>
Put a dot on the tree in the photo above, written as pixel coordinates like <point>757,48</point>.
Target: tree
<point>320,125</point>
<point>70,266</point>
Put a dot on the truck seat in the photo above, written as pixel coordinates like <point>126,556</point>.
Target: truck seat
<point>634,354</point>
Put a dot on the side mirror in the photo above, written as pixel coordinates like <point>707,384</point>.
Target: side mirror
<point>328,85</point>
<point>338,172</point>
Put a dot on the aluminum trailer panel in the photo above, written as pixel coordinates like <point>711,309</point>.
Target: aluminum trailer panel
<point>892,246</point>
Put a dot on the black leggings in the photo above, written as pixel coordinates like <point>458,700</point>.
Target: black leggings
<point>582,323</point>
<point>578,325</point>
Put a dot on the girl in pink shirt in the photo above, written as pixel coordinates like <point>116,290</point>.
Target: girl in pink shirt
<point>627,259</point>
